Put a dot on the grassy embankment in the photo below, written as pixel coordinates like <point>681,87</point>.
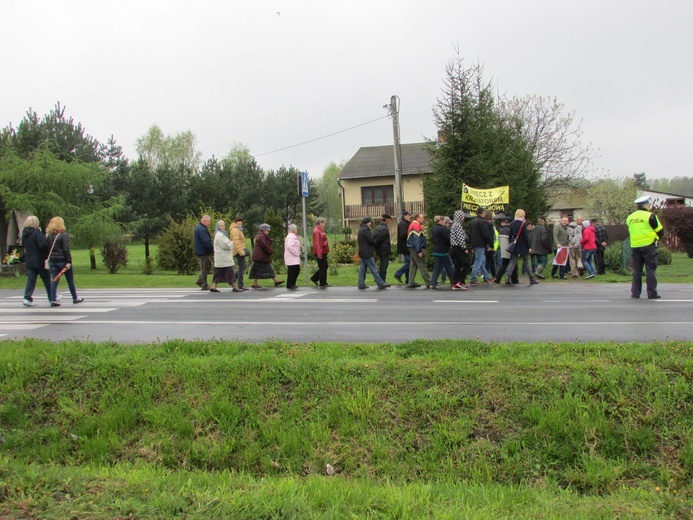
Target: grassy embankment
<point>680,271</point>
<point>448,429</point>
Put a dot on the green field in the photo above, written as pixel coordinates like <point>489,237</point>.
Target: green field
<point>680,271</point>
<point>446,429</point>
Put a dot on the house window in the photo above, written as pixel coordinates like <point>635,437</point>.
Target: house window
<point>377,195</point>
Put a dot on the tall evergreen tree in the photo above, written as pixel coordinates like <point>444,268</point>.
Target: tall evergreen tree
<point>477,146</point>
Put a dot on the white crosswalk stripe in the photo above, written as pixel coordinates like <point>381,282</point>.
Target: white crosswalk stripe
<point>16,317</point>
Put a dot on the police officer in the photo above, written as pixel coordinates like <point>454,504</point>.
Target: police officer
<point>644,229</point>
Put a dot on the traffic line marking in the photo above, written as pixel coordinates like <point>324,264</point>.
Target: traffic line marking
<point>413,323</point>
<point>61,310</point>
<point>21,327</point>
<point>466,301</point>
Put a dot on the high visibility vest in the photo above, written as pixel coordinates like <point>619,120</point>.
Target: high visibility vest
<point>640,230</point>
<point>495,238</point>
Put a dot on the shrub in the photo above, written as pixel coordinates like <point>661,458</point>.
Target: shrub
<point>148,267</point>
<point>343,252</point>
<point>176,251</point>
<point>115,256</point>
<point>663,256</point>
<point>679,220</point>
<point>612,256</point>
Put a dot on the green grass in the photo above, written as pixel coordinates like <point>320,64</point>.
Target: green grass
<point>680,271</point>
<point>446,429</point>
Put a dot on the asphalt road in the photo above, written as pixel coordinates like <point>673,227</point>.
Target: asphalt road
<point>570,311</point>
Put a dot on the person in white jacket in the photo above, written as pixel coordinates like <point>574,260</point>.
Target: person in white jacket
<point>292,256</point>
<point>223,259</point>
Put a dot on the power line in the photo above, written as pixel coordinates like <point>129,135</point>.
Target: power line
<point>323,137</point>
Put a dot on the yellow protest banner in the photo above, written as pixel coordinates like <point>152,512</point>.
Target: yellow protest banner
<point>493,199</point>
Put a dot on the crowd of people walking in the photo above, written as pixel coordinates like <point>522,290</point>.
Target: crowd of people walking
<point>486,256</point>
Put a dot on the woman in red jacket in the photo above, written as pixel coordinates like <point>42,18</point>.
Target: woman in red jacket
<point>262,258</point>
<point>589,247</point>
<point>320,247</point>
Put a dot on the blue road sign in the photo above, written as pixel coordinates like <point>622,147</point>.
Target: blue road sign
<point>304,184</point>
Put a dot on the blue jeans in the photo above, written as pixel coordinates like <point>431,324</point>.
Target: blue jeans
<point>369,263</point>
<point>479,263</point>
<point>587,260</point>
<point>31,275</point>
<point>404,270</point>
<point>240,270</point>
<point>56,267</point>
<point>443,264</point>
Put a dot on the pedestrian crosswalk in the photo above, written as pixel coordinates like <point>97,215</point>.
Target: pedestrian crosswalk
<point>15,318</point>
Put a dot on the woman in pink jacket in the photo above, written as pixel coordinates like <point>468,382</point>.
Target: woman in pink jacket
<point>292,256</point>
<point>589,247</point>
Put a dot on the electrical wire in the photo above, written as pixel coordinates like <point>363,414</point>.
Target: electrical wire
<point>323,137</point>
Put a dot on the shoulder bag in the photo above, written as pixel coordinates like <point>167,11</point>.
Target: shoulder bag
<point>46,263</point>
<point>511,247</point>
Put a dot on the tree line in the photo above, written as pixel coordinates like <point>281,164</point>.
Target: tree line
<point>51,166</point>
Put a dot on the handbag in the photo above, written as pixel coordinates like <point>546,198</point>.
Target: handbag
<point>46,262</point>
<point>511,247</point>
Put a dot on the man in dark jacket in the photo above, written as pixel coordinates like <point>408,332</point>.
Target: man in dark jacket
<point>204,249</point>
<point>481,241</point>
<point>402,249</point>
<point>366,243</point>
<point>440,237</point>
<point>35,255</point>
<point>541,247</point>
<point>383,247</point>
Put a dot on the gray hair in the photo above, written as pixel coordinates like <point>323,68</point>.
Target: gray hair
<point>292,228</point>
<point>265,227</point>
<point>321,220</point>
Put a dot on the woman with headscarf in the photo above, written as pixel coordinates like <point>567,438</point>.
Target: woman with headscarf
<point>60,259</point>
<point>35,254</point>
<point>262,258</point>
<point>223,259</point>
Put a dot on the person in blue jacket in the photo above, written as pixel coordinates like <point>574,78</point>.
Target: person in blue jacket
<point>204,249</point>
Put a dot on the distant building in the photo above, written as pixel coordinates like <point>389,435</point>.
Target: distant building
<point>662,200</point>
<point>367,182</point>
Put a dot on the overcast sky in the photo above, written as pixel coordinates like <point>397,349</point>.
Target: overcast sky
<point>270,74</point>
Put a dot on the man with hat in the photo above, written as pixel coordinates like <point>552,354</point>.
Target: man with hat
<point>402,249</point>
<point>366,243</point>
<point>644,229</point>
<point>383,247</point>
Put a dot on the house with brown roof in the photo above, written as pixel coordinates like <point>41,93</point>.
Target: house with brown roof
<point>367,181</point>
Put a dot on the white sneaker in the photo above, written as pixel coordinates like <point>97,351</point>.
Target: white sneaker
<point>58,297</point>
<point>588,277</point>
<point>28,303</point>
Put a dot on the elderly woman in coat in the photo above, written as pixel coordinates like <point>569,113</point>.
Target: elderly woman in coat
<point>292,256</point>
<point>262,258</point>
<point>223,259</point>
